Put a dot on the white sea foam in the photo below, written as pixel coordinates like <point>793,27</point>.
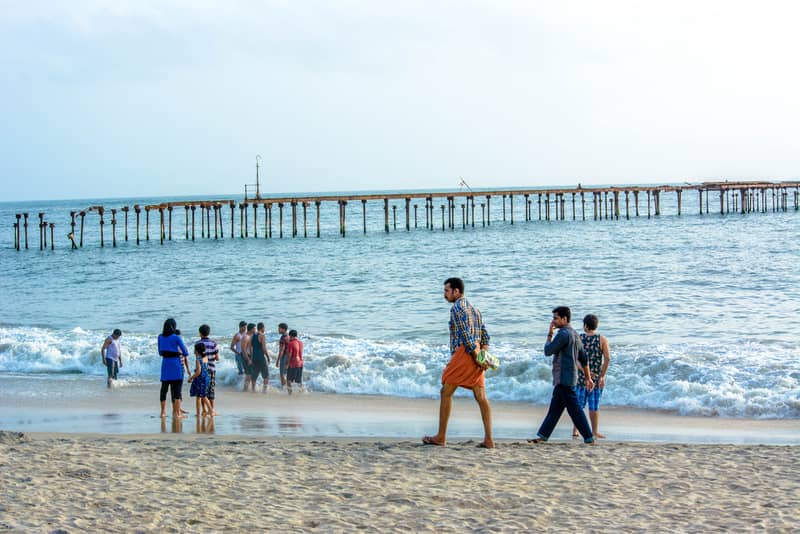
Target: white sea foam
<point>739,379</point>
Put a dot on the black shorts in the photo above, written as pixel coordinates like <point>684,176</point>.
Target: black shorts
<point>175,386</point>
<point>294,374</point>
<point>259,368</point>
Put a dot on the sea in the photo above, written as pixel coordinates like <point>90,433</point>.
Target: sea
<point>700,310</point>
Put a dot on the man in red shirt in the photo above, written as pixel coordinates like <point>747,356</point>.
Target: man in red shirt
<point>295,372</point>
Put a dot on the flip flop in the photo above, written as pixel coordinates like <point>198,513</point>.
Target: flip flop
<point>536,441</point>
<point>482,445</point>
<point>427,440</point>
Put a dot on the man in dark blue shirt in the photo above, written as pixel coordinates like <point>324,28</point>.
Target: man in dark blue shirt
<point>567,352</point>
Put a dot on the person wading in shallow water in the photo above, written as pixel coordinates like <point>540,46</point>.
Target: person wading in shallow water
<point>112,355</point>
<point>468,336</point>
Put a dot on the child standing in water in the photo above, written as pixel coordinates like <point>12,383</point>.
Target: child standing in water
<point>201,380</point>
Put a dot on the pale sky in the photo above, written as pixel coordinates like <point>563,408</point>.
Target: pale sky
<point>145,98</point>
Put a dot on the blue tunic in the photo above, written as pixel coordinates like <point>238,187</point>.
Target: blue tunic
<point>170,348</point>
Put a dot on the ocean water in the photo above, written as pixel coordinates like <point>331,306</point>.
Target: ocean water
<point>700,310</point>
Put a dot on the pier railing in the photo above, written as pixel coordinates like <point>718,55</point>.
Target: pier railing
<point>547,204</point>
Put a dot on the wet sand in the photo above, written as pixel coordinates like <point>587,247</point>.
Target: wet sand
<point>82,406</point>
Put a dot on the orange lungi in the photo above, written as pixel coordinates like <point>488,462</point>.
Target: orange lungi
<point>462,370</point>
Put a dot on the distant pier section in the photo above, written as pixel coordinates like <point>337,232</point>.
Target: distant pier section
<point>231,218</point>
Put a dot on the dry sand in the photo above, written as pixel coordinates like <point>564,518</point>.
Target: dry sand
<point>189,483</point>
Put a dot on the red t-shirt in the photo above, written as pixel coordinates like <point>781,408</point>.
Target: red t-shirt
<point>295,350</point>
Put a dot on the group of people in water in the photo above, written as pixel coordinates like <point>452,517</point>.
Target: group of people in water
<point>252,360</point>
<point>249,345</point>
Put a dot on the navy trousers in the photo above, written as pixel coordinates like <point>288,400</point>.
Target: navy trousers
<point>565,397</point>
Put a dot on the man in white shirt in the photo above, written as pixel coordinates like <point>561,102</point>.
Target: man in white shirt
<point>112,355</point>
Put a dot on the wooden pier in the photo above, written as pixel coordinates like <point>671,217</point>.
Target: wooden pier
<point>475,207</point>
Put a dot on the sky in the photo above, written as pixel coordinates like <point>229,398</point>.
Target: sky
<point>127,98</point>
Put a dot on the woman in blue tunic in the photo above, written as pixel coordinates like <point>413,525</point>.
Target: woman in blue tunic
<point>173,360</point>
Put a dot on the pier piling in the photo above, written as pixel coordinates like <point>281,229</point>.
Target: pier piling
<point>113,228</point>
<point>161,225</point>
<point>472,217</point>
<point>125,210</point>
<point>280,220</point>
<point>547,207</point>
<point>269,219</point>
<point>216,219</point>
<point>102,225</point>
<point>17,234</point>
<point>305,220</point>
<point>71,226</point>
<point>317,205</point>
<point>293,217</point>
<point>627,206</point>
<point>255,220</point>
<point>25,228</point>
<point>136,210</point>
<point>232,205</point>
<point>41,232</point>
<point>241,221</point>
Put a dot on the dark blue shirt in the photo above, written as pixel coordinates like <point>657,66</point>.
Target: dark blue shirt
<point>567,352</point>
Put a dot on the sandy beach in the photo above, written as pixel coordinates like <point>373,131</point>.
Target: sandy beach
<point>79,483</point>
<point>102,460</point>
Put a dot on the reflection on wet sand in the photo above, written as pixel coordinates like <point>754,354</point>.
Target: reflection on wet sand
<point>205,425</point>
<point>253,423</point>
<point>289,424</point>
<point>176,427</point>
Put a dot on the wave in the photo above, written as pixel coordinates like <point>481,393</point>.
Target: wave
<point>742,378</point>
